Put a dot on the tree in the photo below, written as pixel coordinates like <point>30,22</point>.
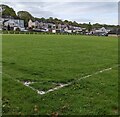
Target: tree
<point>70,23</point>
<point>26,16</point>
<point>89,27</point>
<point>66,22</point>
<point>42,19</point>
<point>58,21</point>
<point>75,23</point>
<point>50,20</point>
<point>8,12</point>
<point>97,25</point>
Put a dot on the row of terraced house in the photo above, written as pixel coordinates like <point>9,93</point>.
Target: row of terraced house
<point>15,24</point>
<point>54,28</point>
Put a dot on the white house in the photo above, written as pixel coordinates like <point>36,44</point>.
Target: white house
<point>68,30</point>
<point>102,31</point>
<point>31,24</point>
<point>13,23</point>
<point>77,29</point>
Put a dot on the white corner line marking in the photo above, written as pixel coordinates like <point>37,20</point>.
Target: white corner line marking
<point>27,84</point>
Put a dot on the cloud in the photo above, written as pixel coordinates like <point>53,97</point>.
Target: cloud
<point>102,12</point>
<point>82,20</point>
<point>61,1</point>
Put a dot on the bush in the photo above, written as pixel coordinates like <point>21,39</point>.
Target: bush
<point>26,32</point>
<point>22,32</point>
<point>5,32</point>
<point>17,29</point>
<point>11,32</point>
<point>16,32</point>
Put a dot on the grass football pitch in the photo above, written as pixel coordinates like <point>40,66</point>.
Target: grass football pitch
<point>46,61</point>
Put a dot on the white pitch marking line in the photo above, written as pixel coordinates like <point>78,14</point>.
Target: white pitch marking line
<point>58,87</point>
<point>70,83</point>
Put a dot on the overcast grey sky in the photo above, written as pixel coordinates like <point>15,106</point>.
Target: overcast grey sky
<point>82,12</point>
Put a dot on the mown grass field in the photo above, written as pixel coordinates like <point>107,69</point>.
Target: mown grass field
<point>51,59</point>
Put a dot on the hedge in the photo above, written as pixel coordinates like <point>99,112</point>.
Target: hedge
<point>19,32</point>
